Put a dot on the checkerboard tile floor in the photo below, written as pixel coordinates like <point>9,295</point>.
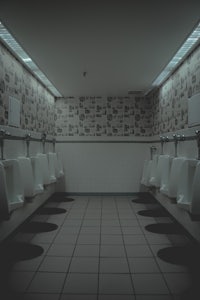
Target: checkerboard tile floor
<point>100,251</point>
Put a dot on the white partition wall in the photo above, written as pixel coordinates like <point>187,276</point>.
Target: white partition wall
<point>103,166</point>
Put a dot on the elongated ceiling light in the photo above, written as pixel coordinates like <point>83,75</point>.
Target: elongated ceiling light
<point>179,56</point>
<point>17,49</point>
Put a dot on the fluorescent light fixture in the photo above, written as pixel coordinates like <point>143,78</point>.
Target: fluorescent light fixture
<point>17,49</point>
<point>179,56</point>
<point>26,60</point>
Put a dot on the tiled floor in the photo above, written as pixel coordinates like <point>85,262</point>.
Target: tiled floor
<point>100,251</point>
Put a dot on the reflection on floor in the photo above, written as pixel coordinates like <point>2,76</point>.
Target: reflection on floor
<point>100,250</point>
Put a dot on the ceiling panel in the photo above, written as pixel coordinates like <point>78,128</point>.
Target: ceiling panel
<point>121,45</point>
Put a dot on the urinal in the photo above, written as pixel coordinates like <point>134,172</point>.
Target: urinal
<point>146,172</point>
<point>52,166</point>
<point>152,179</point>
<point>11,192</point>
<point>165,173</point>
<point>195,194</point>
<point>37,175</point>
<point>174,176</point>
<point>27,176</point>
<point>58,166</point>
<point>184,190</point>
<point>44,168</point>
<point>159,170</point>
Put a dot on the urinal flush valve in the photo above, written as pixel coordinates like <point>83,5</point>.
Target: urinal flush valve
<point>153,150</point>
<point>198,142</point>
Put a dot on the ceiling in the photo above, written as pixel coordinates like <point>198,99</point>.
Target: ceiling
<point>121,45</point>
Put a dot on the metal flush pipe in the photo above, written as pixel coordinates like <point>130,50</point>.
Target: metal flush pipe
<point>54,144</point>
<point>27,139</point>
<point>152,151</point>
<point>178,138</point>
<point>175,137</point>
<point>43,139</point>
<point>163,139</point>
<point>198,142</point>
<point>3,134</point>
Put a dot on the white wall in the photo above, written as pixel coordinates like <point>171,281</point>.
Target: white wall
<point>103,166</point>
<point>97,165</point>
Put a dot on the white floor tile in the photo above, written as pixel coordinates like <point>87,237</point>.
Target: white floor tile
<point>47,283</point>
<point>112,251</point>
<point>87,250</point>
<point>115,284</point>
<point>143,265</point>
<point>113,265</point>
<point>55,264</point>
<point>83,283</point>
<point>149,284</point>
<point>84,265</point>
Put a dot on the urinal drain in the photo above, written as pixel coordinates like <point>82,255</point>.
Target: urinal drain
<point>16,251</point>
<point>153,213</point>
<point>51,211</point>
<point>165,228</point>
<point>187,256</point>
<point>35,227</point>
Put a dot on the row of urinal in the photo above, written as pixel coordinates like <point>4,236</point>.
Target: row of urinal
<point>176,177</point>
<point>23,178</point>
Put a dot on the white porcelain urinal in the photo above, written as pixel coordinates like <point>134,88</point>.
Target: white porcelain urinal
<point>165,173</point>
<point>11,192</point>
<point>146,172</point>
<point>37,175</point>
<point>26,170</point>
<point>159,170</point>
<point>44,168</point>
<point>59,166</point>
<point>184,190</point>
<point>52,166</point>
<point>174,176</point>
<point>195,194</point>
<point>152,179</point>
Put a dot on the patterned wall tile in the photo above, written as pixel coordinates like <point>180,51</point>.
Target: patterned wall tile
<point>163,110</point>
<point>170,101</point>
<point>37,104</point>
<point>103,116</point>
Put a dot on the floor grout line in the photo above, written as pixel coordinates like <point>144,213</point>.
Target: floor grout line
<point>50,244</point>
<point>67,273</point>
<point>156,261</point>
<point>85,213</point>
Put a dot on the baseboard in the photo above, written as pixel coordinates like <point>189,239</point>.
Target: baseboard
<point>100,194</point>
